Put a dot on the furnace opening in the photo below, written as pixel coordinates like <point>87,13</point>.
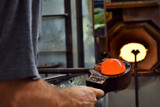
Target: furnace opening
<point>126,52</point>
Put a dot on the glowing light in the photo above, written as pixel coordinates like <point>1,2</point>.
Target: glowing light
<point>126,52</point>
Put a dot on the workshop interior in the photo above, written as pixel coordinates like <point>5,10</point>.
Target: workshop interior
<point>79,35</point>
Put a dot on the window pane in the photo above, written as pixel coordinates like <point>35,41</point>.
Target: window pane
<point>53,58</point>
<point>88,38</point>
<point>53,34</point>
<point>52,7</point>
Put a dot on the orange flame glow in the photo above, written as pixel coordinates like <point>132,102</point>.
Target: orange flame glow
<point>126,52</point>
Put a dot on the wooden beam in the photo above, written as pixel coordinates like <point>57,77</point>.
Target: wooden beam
<point>131,4</point>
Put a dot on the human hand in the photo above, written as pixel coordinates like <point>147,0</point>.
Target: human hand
<point>83,96</point>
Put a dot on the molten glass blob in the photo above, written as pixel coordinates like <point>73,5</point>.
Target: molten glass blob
<point>112,67</point>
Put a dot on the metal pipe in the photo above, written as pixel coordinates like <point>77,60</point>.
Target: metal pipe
<point>63,70</point>
<point>136,78</point>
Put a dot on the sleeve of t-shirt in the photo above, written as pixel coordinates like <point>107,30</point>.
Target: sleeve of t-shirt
<point>19,31</point>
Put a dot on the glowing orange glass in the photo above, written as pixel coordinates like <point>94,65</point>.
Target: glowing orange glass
<point>112,67</point>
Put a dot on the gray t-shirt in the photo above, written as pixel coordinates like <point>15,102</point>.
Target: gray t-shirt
<point>20,22</point>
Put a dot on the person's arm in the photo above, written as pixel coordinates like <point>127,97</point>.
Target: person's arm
<point>28,93</point>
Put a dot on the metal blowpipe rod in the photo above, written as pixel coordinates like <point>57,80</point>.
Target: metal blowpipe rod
<point>135,52</point>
